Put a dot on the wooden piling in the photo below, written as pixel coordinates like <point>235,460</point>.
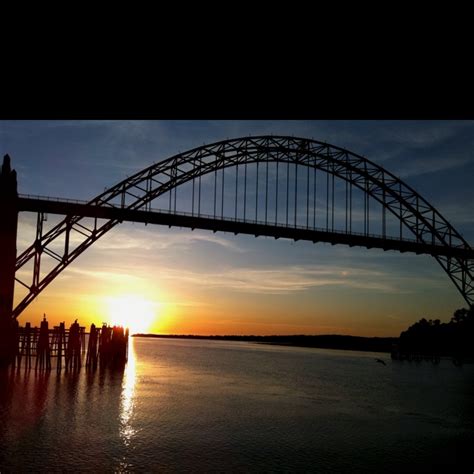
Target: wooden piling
<point>107,346</point>
<point>73,351</point>
<point>82,332</point>
<point>27,338</point>
<point>91,360</point>
<point>43,353</point>
<point>24,346</point>
<point>60,345</point>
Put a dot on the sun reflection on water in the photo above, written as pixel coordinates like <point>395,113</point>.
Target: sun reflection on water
<point>128,397</point>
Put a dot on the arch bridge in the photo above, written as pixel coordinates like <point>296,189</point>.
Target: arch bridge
<point>277,186</point>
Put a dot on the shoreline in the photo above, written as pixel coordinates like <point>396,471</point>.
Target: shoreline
<point>338,342</point>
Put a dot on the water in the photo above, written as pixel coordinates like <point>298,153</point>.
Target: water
<point>195,405</point>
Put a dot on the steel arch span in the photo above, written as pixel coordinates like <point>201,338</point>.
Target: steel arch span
<point>430,232</point>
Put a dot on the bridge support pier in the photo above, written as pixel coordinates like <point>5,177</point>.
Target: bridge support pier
<point>8,233</point>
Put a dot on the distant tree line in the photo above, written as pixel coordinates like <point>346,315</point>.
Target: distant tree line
<point>427,337</point>
<point>329,341</point>
<point>455,338</point>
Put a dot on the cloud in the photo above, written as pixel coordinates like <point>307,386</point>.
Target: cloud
<point>109,275</point>
<point>282,280</point>
<point>158,240</point>
<point>417,166</point>
<point>127,237</point>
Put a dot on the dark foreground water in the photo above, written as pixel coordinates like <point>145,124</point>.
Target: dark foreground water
<point>207,406</point>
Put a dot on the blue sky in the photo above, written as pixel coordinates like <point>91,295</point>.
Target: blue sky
<point>238,283</point>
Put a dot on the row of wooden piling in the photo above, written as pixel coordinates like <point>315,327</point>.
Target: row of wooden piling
<point>106,346</point>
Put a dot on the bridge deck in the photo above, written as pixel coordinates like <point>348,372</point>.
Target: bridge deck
<point>237,226</point>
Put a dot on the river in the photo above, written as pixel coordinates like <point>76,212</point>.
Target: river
<point>222,406</point>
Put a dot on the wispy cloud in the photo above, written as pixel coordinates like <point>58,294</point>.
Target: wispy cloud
<point>109,275</point>
<point>282,280</point>
<point>129,237</point>
<point>156,240</point>
<point>417,166</point>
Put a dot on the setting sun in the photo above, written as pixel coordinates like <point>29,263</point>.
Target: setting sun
<point>132,311</point>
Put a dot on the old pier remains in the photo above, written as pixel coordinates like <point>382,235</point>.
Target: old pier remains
<point>106,346</point>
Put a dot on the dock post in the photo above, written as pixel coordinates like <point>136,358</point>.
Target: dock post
<point>73,351</point>
<point>43,352</point>
<point>26,347</point>
<point>91,360</point>
<point>61,345</point>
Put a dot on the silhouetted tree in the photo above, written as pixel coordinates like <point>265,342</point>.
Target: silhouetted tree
<point>431,337</point>
<point>461,315</point>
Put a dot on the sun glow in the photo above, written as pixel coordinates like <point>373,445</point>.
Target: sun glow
<point>132,311</point>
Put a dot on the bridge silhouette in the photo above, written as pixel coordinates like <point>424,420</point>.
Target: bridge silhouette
<point>276,186</point>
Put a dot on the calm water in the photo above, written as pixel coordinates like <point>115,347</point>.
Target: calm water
<point>233,406</point>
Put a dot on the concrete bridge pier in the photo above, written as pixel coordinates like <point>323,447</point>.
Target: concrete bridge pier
<point>8,233</point>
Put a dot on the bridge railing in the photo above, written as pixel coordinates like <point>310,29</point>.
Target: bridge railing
<point>54,199</point>
<point>225,218</point>
<point>276,224</point>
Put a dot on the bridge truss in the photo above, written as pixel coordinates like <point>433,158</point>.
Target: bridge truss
<point>266,185</point>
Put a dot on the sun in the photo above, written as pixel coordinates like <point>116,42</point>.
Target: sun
<point>133,312</point>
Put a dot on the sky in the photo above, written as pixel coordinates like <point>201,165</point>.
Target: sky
<point>178,281</point>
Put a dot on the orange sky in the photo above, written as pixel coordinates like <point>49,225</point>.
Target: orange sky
<point>181,281</point>
<point>162,293</point>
